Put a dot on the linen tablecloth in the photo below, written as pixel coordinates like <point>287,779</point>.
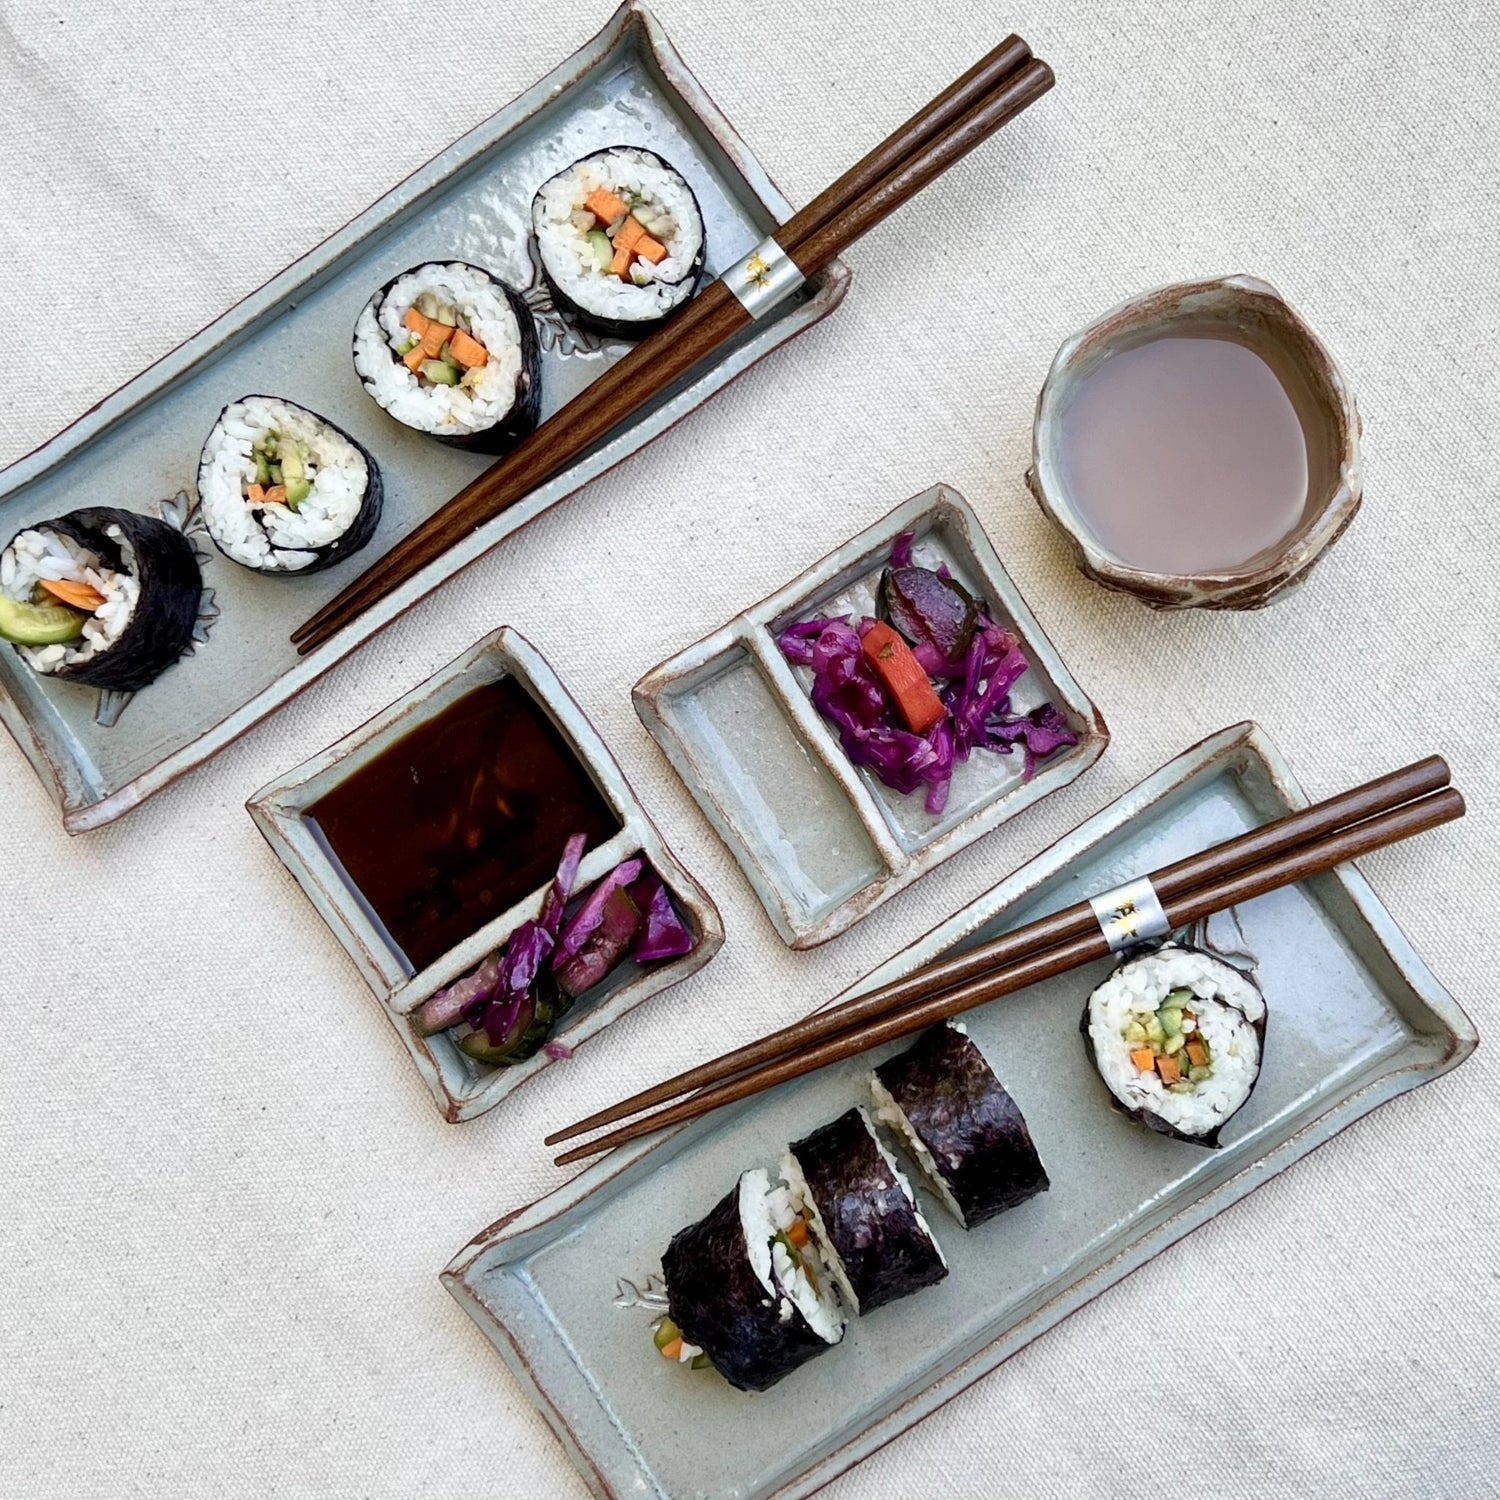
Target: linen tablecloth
<point>225,1194</point>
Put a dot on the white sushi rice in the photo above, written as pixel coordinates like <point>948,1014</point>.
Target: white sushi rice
<point>484,395</point>
<point>764,1212</point>
<point>1225,1004</point>
<point>664,204</point>
<point>38,554</point>
<point>802,1199</point>
<point>276,538</point>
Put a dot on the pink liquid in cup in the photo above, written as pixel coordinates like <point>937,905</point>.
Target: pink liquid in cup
<point>1185,455</point>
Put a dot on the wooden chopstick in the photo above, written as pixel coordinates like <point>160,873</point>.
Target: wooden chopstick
<point>1171,881</point>
<point>854,204</point>
<point>929,122</point>
<point>1244,885</point>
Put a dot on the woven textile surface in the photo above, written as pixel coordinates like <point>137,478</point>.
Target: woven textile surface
<point>224,1191</point>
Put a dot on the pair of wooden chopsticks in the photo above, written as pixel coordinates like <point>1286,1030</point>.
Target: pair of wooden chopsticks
<point>994,90</point>
<point>1302,844</point>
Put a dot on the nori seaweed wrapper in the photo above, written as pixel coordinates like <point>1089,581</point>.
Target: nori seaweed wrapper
<point>627,328</point>
<point>161,628</point>
<point>1149,1118</point>
<point>974,1130</point>
<point>526,409</point>
<point>870,1221</point>
<point>719,1303</point>
<point>359,531</point>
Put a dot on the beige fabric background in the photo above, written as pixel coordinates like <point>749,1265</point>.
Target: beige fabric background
<point>224,1194</point>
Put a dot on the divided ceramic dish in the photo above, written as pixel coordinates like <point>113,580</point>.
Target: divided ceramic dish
<point>823,842</point>
<point>563,1288</point>
<point>462,1087</point>
<point>101,754</point>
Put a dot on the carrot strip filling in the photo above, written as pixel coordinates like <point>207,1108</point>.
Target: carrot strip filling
<point>79,595</point>
<point>902,677</point>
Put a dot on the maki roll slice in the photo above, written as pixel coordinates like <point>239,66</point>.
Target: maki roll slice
<point>861,1213</point>
<point>285,491</point>
<point>450,350</point>
<point>621,240</point>
<point>962,1129</point>
<point>744,1289</point>
<point>100,596</point>
<point>1177,1037</point>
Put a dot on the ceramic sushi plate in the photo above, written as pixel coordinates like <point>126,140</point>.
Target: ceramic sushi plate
<point>101,754</point>
<point>822,842</point>
<point>563,1288</point>
<point>462,1088</point>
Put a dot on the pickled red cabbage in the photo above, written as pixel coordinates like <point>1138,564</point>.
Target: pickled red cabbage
<point>975,690</point>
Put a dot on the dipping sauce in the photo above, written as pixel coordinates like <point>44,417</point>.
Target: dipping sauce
<point>461,817</point>
<point>1185,455</point>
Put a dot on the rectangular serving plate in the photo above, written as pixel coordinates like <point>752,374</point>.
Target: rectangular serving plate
<point>462,1087</point>
<point>821,841</point>
<point>140,446</point>
<point>1356,1018</point>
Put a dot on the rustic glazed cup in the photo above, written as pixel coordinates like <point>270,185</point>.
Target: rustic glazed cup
<point>1255,314</point>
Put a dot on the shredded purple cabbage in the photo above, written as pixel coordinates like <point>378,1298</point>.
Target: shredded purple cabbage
<point>556,899</point>
<point>491,997</point>
<point>663,933</point>
<point>975,691</point>
<point>557,1051</point>
<point>525,953</point>
<point>587,918</point>
<point>446,1008</point>
<point>1041,732</point>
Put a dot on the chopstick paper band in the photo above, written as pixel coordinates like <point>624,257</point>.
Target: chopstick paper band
<point>764,278</point>
<point>1130,913</point>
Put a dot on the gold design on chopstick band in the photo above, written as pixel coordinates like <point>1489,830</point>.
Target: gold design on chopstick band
<point>765,277</point>
<point>1130,913</point>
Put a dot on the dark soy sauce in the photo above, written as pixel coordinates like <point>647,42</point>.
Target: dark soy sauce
<point>461,817</point>
<point>1185,455</point>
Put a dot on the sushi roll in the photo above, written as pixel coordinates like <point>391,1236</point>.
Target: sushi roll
<point>962,1129</point>
<point>744,1289</point>
<point>1177,1036</point>
<point>621,240</point>
<point>100,596</point>
<point>861,1213</point>
<point>450,350</point>
<point>283,490</point>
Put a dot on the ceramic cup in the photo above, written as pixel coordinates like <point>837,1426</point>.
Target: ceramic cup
<point>1257,315</point>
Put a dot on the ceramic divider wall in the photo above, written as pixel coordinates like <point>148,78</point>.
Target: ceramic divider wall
<point>824,842</point>
<point>463,1087</point>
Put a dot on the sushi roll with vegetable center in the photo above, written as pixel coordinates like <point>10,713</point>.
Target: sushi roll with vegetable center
<point>450,350</point>
<point>861,1213</point>
<point>1176,1035</point>
<point>101,596</point>
<point>283,490</point>
<point>621,240</point>
<point>965,1132</point>
<point>745,1289</point>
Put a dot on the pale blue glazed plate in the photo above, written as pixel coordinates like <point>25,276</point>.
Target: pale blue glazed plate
<point>1356,1018</point>
<point>100,755</point>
